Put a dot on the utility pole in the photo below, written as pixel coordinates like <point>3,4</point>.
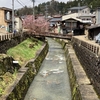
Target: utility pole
<point>13,16</point>
<point>33,7</point>
<point>46,11</point>
<point>79,9</point>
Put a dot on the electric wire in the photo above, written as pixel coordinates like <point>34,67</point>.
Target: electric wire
<point>20,3</point>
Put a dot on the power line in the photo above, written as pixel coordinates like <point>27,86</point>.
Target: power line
<point>20,3</point>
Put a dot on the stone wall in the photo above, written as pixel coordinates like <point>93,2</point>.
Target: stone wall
<point>11,41</point>
<point>6,62</point>
<point>7,65</point>
<point>25,76</point>
<point>89,57</point>
<point>81,87</point>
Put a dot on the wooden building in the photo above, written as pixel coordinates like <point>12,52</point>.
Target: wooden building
<point>93,31</point>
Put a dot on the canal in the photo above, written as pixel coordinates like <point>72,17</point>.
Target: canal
<point>52,80</point>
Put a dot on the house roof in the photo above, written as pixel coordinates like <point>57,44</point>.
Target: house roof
<point>78,8</point>
<point>75,17</point>
<point>72,15</point>
<point>94,26</point>
<point>57,16</point>
<point>55,19</point>
<point>4,8</point>
<point>87,15</point>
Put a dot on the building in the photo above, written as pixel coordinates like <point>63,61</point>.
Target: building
<point>80,10</point>
<point>5,20</point>
<point>78,17</point>
<point>71,21</point>
<point>18,24</point>
<point>83,13</point>
<point>98,15</point>
<point>93,31</point>
<point>55,19</point>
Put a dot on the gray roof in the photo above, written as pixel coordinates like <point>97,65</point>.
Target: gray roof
<point>94,26</point>
<point>55,19</point>
<point>5,8</point>
<point>78,8</point>
<point>87,15</point>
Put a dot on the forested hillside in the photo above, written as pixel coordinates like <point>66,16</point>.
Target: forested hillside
<point>54,7</point>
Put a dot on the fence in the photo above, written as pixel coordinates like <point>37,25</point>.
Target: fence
<point>8,36</point>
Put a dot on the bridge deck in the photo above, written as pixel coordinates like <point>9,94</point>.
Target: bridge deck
<point>54,35</point>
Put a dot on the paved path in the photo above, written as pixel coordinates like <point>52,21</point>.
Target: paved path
<point>51,82</point>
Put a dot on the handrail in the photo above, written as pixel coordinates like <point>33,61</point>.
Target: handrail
<point>91,47</point>
<point>54,35</point>
<point>8,36</point>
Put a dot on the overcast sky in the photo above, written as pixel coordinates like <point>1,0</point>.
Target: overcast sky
<point>21,3</point>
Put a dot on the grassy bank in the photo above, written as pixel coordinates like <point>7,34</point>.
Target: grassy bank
<point>25,50</point>
<point>21,53</point>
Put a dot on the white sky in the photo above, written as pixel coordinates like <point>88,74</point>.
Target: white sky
<point>8,3</point>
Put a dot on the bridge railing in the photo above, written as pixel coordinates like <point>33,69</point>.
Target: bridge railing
<point>54,35</point>
<point>46,34</point>
<point>8,36</point>
<point>93,47</point>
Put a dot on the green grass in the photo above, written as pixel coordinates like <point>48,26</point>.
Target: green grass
<point>23,52</point>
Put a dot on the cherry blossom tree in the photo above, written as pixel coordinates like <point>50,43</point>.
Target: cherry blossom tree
<point>38,25</point>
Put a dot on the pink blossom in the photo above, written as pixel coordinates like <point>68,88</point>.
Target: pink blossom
<point>38,25</point>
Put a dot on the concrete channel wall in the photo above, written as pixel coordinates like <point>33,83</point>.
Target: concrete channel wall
<point>88,53</point>
<point>25,76</point>
<point>81,87</point>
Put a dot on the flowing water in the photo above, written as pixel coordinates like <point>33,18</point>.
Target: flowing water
<point>52,81</point>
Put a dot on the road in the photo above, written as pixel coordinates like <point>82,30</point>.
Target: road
<point>52,81</point>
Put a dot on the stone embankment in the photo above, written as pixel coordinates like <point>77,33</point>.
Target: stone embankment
<point>25,76</point>
<point>81,86</point>
<point>84,71</point>
<point>88,53</point>
<point>26,73</point>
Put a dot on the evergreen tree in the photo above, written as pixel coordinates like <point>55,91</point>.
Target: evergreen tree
<point>55,7</point>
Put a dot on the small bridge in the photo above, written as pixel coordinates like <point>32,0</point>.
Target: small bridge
<point>51,35</point>
<point>54,35</point>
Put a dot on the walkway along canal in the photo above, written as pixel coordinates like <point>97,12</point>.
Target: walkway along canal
<point>52,80</point>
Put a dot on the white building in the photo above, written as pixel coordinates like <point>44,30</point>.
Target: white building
<point>19,24</point>
<point>98,15</point>
<point>80,10</point>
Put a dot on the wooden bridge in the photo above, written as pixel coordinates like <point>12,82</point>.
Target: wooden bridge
<point>54,35</point>
<point>51,35</point>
